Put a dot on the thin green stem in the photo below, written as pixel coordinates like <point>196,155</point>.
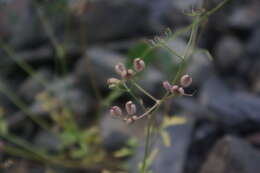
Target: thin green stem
<point>149,110</point>
<point>26,146</point>
<point>27,68</point>
<point>133,95</point>
<point>22,106</point>
<point>147,143</point>
<point>164,45</point>
<point>144,91</point>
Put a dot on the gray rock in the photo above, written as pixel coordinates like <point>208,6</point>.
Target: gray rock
<point>245,16</point>
<point>229,51</point>
<point>152,80</point>
<point>31,86</point>
<point>169,159</point>
<point>99,63</point>
<point>172,159</point>
<point>145,16</point>
<point>24,26</point>
<point>116,133</point>
<point>7,17</point>
<point>196,65</point>
<point>253,44</point>
<point>67,91</point>
<point>229,107</point>
<point>47,141</point>
<point>67,94</point>
<point>182,5</point>
<point>200,67</point>
<point>232,155</point>
<point>100,19</point>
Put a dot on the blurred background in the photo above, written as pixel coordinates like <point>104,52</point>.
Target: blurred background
<point>55,59</point>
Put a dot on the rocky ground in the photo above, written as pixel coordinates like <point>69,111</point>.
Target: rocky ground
<point>223,130</point>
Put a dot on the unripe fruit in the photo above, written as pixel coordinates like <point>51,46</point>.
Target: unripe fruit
<point>116,111</point>
<point>130,108</point>
<point>167,85</point>
<point>120,69</point>
<point>185,81</point>
<point>139,64</point>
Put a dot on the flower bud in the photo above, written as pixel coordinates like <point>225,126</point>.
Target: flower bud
<point>116,111</point>
<point>112,82</point>
<point>174,89</point>
<point>181,91</point>
<point>130,108</point>
<point>167,85</point>
<point>185,81</point>
<point>120,69</point>
<point>135,117</point>
<point>129,120</point>
<point>139,64</point>
<point>129,74</point>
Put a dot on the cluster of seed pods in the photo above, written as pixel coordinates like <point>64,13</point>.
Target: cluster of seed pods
<point>130,107</point>
<point>126,74</point>
<point>178,90</point>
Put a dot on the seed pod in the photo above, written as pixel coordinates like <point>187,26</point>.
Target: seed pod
<point>135,117</point>
<point>120,69</point>
<point>112,82</point>
<point>129,120</point>
<point>175,89</point>
<point>181,91</point>
<point>116,111</point>
<point>185,81</point>
<point>129,74</point>
<point>139,64</point>
<point>167,86</point>
<point>130,108</point>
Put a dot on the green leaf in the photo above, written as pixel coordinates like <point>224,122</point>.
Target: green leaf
<point>174,120</point>
<point>124,152</point>
<point>68,138</point>
<point>166,138</point>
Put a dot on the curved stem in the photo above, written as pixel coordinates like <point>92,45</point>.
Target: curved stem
<point>144,91</point>
<point>133,95</point>
<point>158,103</point>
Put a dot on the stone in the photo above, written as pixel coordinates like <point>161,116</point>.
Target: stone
<point>252,44</point>
<point>100,58</point>
<point>31,86</point>
<point>172,159</point>
<point>232,155</point>
<point>228,107</point>
<point>116,133</point>
<point>229,51</point>
<point>200,67</point>
<point>245,16</point>
<point>91,64</point>
<point>47,141</point>
<point>145,17</point>
<point>65,91</point>
<point>169,158</point>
